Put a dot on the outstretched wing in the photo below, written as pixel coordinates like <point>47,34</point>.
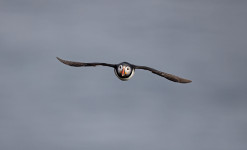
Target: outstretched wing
<point>165,75</point>
<point>82,64</point>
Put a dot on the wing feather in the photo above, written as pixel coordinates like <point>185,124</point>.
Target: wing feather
<point>165,75</point>
<point>82,64</point>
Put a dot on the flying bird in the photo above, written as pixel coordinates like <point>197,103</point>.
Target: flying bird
<point>124,71</point>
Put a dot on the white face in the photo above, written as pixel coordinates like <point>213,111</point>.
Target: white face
<point>124,70</point>
<point>127,70</point>
<point>119,69</point>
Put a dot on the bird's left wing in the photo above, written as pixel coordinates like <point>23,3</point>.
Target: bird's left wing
<point>163,74</point>
<point>82,64</point>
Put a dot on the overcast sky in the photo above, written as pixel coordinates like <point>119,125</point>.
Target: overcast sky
<point>47,105</point>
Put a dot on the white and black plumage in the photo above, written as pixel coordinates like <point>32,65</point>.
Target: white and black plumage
<point>124,71</point>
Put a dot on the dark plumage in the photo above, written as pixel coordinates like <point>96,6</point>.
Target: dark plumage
<point>124,71</point>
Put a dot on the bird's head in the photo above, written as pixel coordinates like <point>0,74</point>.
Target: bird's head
<point>124,71</point>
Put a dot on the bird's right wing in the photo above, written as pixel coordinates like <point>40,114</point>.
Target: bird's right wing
<point>82,64</point>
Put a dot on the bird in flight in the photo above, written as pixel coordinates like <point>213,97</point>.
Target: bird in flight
<point>124,71</point>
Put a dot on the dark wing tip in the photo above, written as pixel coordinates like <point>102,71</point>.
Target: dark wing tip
<point>184,80</point>
<point>62,61</point>
<point>59,59</point>
<point>174,78</point>
<point>70,63</point>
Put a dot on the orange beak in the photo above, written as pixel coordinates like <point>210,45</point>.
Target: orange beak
<point>123,72</point>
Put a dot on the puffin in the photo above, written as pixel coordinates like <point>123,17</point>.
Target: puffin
<point>124,70</point>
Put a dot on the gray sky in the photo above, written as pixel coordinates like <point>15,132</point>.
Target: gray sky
<point>47,105</point>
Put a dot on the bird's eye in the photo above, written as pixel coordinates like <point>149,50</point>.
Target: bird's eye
<point>120,67</point>
<point>127,70</point>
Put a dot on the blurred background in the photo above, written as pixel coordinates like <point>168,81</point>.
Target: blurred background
<point>47,105</point>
